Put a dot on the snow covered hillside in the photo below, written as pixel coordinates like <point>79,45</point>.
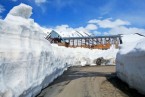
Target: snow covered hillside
<point>130,61</point>
<point>28,62</point>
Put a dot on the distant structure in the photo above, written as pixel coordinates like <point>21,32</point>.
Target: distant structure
<point>92,42</point>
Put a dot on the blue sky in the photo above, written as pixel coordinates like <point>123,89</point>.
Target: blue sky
<point>76,13</point>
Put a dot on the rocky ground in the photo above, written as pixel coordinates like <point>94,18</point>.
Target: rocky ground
<point>96,81</point>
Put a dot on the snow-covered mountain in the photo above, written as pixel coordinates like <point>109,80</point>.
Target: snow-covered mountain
<point>73,33</point>
<point>65,31</point>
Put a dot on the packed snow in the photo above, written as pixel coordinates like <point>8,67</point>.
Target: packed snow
<point>84,56</point>
<point>130,61</point>
<point>28,62</point>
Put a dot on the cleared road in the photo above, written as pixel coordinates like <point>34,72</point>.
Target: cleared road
<point>88,81</point>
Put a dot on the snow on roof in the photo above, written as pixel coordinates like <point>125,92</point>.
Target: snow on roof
<point>72,33</point>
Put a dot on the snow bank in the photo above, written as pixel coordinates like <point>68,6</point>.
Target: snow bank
<point>130,61</point>
<point>85,56</point>
<point>22,10</point>
<point>28,62</point>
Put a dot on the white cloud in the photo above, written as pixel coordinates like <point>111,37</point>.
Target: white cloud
<point>106,33</point>
<point>59,4</point>
<point>62,27</point>
<point>14,0</point>
<point>41,4</point>
<point>117,26</point>
<point>97,33</point>
<point>135,19</point>
<point>38,2</point>
<point>107,8</point>
<point>109,23</point>
<point>126,30</point>
<point>46,30</point>
<point>67,28</point>
<point>95,26</point>
<point>2,9</point>
<point>66,31</point>
<point>91,27</point>
<point>81,29</point>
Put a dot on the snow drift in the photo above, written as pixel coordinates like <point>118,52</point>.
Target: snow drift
<point>28,62</point>
<point>130,61</point>
<point>26,58</point>
<point>23,10</point>
<point>85,56</point>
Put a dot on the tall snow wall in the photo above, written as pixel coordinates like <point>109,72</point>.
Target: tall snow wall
<point>27,61</point>
<point>130,62</point>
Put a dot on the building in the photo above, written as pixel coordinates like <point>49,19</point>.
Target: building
<point>92,42</point>
<point>54,37</point>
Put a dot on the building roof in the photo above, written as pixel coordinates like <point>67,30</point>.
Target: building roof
<point>110,36</point>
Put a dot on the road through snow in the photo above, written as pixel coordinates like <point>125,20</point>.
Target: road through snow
<point>79,82</point>
<point>95,81</point>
